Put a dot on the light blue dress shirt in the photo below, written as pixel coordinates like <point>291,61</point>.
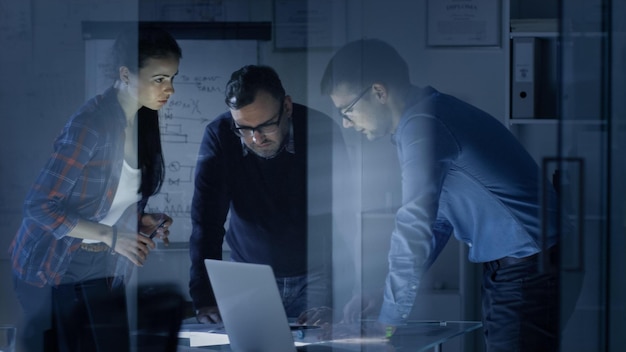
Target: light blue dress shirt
<point>464,173</point>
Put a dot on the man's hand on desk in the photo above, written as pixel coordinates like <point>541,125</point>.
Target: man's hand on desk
<point>316,316</point>
<point>208,315</point>
<point>362,306</point>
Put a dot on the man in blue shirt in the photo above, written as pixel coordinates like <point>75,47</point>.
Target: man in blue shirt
<point>463,173</point>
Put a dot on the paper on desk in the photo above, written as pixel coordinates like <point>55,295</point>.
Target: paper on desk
<point>201,338</point>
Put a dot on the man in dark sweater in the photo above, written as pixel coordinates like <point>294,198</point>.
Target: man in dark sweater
<point>267,163</point>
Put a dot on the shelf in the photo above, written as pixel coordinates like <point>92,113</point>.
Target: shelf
<point>540,121</point>
<point>534,34</point>
<point>557,35</point>
<point>535,25</point>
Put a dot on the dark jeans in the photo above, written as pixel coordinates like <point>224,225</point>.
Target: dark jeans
<point>300,293</point>
<point>91,316</point>
<point>83,313</point>
<point>520,306</point>
<point>36,304</point>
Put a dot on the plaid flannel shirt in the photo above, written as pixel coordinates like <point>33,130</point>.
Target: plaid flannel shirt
<point>79,181</point>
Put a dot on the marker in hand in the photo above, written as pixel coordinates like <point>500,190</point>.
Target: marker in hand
<point>151,236</point>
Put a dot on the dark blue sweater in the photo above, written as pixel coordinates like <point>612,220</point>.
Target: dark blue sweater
<point>279,208</point>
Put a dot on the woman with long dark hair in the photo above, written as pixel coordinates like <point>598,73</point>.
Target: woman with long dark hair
<point>84,224</point>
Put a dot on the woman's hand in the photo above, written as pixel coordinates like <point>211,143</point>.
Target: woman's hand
<point>137,246</point>
<point>133,246</point>
<point>156,226</point>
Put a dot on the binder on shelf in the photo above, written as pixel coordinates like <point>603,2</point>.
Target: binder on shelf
<point>524,77</point>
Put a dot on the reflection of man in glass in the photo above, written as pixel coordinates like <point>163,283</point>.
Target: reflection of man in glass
<point>253,163</point>
<point>463,172</point>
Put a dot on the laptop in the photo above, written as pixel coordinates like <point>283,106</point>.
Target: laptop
<point>251,308</point>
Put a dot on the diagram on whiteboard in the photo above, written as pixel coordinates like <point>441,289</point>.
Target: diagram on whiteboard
<point>204,70</point>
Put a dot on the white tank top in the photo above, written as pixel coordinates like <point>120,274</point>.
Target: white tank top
<point>125,195</point>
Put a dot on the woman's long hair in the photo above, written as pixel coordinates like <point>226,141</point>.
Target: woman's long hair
<point>133,49</point>
<point>150,152</point>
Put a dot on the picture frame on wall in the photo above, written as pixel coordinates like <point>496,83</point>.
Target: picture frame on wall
<point>469,23</point>
<point>303,25</point>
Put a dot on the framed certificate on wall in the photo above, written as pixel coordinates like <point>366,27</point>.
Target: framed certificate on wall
<point>463,23</point>
<point>300,25</point>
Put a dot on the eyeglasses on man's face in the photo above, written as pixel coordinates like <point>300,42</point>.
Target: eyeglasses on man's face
<point>265,128</point>
<point>348,109</point>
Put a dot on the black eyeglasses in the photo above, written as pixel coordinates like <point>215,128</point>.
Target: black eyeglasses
<point>264,128</point>
<point>350,106</point>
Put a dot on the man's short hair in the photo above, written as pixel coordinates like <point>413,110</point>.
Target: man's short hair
<point>244,84</point>
<point>364,62</point>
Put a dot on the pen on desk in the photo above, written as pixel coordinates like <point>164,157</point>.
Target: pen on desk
<point>428,322</point>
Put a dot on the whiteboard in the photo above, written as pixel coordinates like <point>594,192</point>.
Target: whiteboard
<point>203,73</point>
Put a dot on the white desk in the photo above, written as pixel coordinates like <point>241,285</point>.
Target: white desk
<point>416,336</point>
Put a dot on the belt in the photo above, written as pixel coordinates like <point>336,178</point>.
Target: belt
<point>94,247</point>
<point>506,261</point>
